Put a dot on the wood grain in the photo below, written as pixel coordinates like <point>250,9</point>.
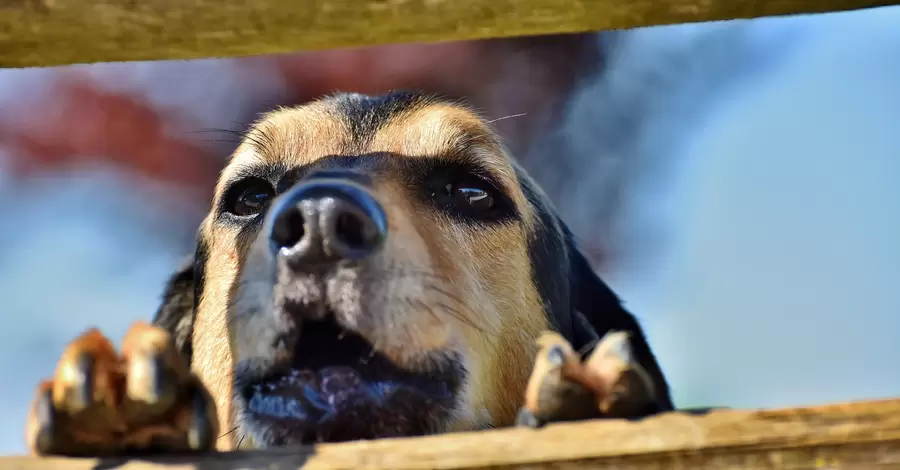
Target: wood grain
<point>864,435</point>
<point>56,32</point>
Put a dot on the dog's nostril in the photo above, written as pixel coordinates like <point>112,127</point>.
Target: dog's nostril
<point>350,231</point>
<point>288,229</point>
<point>354,233</point>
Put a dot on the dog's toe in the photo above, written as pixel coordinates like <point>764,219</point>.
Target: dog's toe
<point>102,403</point>
<point>189,425</point>
<point>42,420</point>
<point>621,386</point>
<point>155,375</point>
<point>203,425</point>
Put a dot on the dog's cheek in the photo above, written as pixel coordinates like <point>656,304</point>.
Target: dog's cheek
<point>212,359</point>
<point>510,317</point>
<point>407,315</point>
<point>407,298</point>
<point>256,329</point>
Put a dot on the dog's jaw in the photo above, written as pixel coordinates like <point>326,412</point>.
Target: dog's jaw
<point>352,392</point>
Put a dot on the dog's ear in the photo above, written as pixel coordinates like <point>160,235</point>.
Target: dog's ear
<point>583,309</point>
<point>176,313</point>
<point>597,310</point>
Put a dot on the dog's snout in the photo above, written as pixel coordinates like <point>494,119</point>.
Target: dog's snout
<point>326,221</point>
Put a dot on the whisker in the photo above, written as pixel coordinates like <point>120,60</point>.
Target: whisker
<point>406,326</point>
<point>448,302</point>
<point>406,271</point>
<point>229,432</point>
<point>455,313</point>
<point>255,138</point>
<point>222,140</point>
<point>506,117</point>
<point>214,129</point>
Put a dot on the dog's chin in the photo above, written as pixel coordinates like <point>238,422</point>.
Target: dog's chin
<point>339,388</point>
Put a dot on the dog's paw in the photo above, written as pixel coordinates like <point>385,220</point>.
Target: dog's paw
<point>101,402</point>
<point>563,387</point>
<point>553,392</point>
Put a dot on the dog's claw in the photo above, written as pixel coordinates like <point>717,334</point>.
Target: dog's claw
<point>45,421</point>
<point>102,403</point>
<point>527,419</point>
<point>202,428</point>
<point>609,383</point>
<point>145,380</point>
<point>556,355</point>
<point>80,393</point>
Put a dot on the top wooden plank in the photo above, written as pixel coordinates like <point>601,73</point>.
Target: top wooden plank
<point>57,32</point>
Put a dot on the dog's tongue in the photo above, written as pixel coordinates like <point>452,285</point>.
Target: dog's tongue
<point>304,394</point>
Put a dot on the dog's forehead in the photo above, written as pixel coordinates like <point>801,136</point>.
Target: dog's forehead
<point>403,124</point>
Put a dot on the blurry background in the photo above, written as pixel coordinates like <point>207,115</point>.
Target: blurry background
<point>734,182</point>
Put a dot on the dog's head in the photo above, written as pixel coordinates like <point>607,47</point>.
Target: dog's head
<point>376,267</point>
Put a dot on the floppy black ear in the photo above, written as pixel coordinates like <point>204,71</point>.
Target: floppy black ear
<point>583,309</point>
<point>596,310</point>
<point>176,313</point>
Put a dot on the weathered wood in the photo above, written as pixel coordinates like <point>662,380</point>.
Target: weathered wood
<point>55,32</point>
<point>863,435</point>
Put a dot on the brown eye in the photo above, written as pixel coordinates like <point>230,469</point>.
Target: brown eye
<point>251,198</point>
<point>472,198</point>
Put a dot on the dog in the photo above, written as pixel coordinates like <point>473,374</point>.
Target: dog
<point>370,267</point>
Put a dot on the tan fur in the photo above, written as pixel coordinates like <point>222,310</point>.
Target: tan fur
<point>212,361</point>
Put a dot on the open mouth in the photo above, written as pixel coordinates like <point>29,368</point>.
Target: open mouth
<point>339,388</point>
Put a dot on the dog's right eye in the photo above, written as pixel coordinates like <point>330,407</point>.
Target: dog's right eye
<point>249,197</point>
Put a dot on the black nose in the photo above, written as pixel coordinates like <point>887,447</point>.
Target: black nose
<point>325,221</point>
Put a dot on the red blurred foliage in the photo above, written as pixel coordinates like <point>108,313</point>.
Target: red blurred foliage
<point>81,123</point>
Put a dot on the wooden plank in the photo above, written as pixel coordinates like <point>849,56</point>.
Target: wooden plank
<point>863,435</point>
<point>56,32</point>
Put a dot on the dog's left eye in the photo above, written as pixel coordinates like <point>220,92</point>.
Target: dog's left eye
<point>249,198</point>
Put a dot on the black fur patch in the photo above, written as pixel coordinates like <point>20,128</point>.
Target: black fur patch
<point>364,114</point>
<point>180,298</point>
<point>549,255</point>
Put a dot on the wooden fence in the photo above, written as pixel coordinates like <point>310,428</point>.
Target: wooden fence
<point>864,435</point>
<point>56,32</point>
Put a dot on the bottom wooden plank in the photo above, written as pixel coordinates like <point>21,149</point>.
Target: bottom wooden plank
<point>862,435</point>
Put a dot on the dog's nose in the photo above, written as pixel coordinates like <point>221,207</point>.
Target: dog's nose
<point>324,221</point>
